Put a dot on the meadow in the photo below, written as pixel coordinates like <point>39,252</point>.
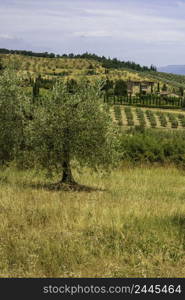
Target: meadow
<point>131,226</point>
<point>130,223</point>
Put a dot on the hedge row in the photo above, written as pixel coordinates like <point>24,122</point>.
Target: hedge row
<point>141,117</point>
<point>173,120</point>
<point>151,117</point>
<point>162,119</point>
<point>118,116</point>
<point>129,116</point>
<point>149,145</point>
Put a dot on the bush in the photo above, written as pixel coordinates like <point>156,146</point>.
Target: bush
<point>182,119</point>
<point>162,118</point>
<point>154,146</point>
<point>141,117</point>
<point>129,116</point>
<point>173,120</point>
<point>151,117</point>
<point>118,116</point>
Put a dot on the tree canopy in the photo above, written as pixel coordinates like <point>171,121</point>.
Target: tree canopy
<point>73,127</point>
<point>120,88</point>
<point>13,107</point>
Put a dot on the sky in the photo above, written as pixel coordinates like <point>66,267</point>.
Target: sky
<point>145,31</point>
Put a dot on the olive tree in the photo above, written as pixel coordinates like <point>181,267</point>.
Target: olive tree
<point>73,127</point>
<point>120,88</point>
<point>13,103</point>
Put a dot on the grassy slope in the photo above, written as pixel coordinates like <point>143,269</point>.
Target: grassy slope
<point>32,66</point>
<point>133,229</point>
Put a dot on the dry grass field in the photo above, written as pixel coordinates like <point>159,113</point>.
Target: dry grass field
<point>133,226</point>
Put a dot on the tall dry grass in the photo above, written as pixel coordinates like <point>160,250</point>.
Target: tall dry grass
<point>135,228</point>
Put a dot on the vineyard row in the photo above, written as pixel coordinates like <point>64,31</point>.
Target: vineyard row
<point>127,116</point>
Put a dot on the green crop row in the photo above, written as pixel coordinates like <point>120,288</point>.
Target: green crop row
<point>129,116</point>
<point>141,117</point>
<point>118,116</point>
<point>182,119</point>
<point>162,119</point>
<point>173,120</point>
<point>150,115</point>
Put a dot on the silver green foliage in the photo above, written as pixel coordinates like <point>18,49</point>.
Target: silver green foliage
<point>79,120</point>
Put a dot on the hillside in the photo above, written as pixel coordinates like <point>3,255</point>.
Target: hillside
<point>99,224</point>
<point>50,66</point>
<point>66,67</point>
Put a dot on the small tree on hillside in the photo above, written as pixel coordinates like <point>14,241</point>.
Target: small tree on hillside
<point>74,127</point>
<point>90,67</point>
<point>120,88</point>
<point>158,87</point>
<point>1,65</point>
<point>164,87</point>
<point>181,91</point>
<point>72,86</point>
<point>107,87</point>
<point>36,88</point>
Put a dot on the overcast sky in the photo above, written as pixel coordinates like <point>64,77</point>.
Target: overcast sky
<point>144,31</point>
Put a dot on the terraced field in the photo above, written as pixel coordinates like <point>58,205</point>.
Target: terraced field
<point>76,68</point>
<point>127,116</point>
<point>65,67</point>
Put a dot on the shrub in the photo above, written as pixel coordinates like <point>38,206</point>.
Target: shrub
<point>141,117</point>
<point>153,146</point>
<point>118,116</point>
<point>162,118</point>
<point>173,120</point>
<point>129,116</point>
<point>151,117</point>
<point>182,119</point>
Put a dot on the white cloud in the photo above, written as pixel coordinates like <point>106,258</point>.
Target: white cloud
<point>98,33</point>
<point>103,12</point>
<point>7,36</point>
<point>112,27</point>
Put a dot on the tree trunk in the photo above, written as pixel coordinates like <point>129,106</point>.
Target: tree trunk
<point>67,176</point>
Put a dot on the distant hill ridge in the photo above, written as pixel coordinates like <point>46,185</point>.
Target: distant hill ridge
<point>52,65</point>
<point>106,62</point>
<point>174,69</point>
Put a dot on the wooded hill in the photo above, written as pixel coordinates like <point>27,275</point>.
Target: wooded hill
<point>50,66</point>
